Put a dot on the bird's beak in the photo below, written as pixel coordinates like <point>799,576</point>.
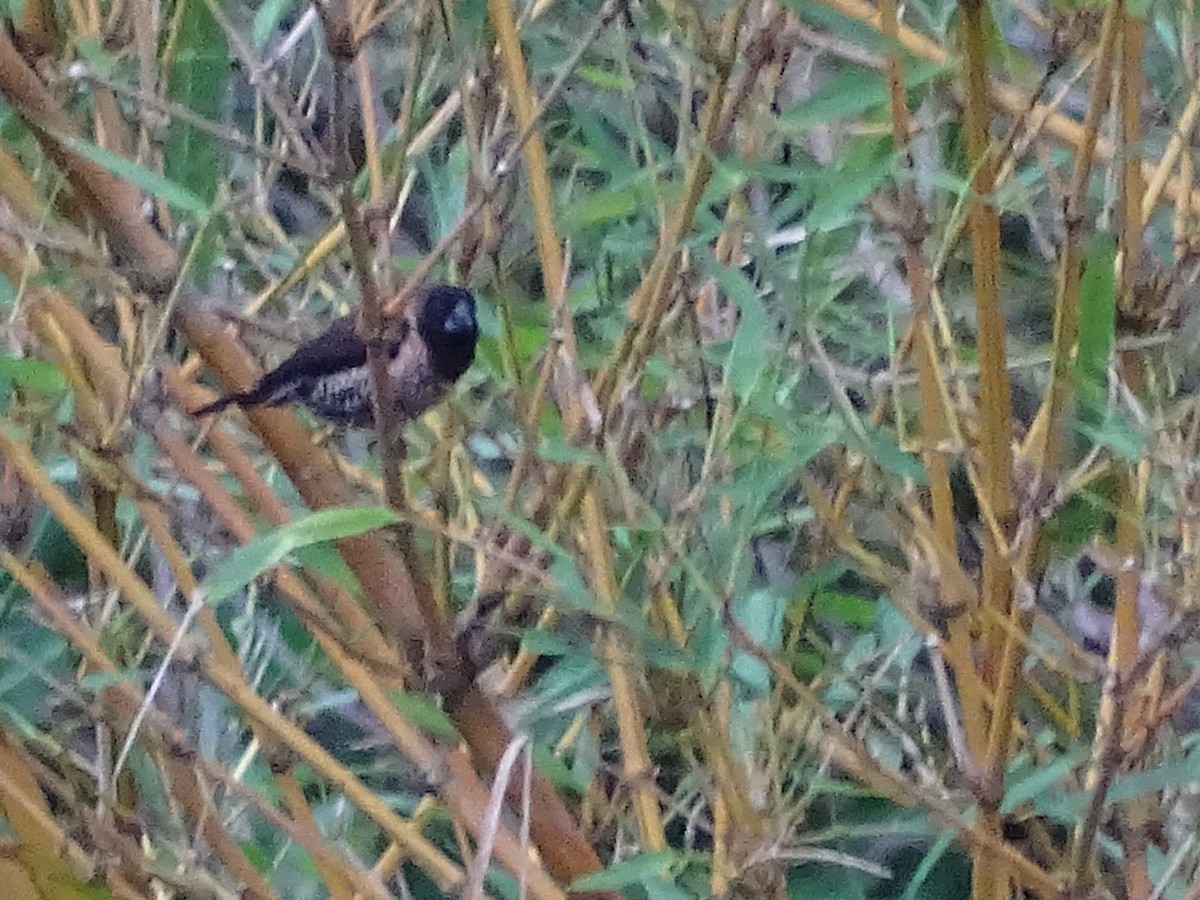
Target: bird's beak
<point>462,317</point>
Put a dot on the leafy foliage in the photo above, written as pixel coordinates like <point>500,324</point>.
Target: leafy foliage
<point>719,573</point>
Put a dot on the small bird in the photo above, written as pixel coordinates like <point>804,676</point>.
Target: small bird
<point>330,375</point>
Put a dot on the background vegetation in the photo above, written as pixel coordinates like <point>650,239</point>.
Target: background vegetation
<point>818,519</point>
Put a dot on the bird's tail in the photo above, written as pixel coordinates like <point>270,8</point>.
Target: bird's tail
<point>218,405</point>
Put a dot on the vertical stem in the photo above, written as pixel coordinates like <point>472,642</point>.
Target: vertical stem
<point>533,152</point>
<point>1042,444</point>
<point>990,878</point>
<point>934,425</point>
<point>994,402</point>
<point>1123,648</point>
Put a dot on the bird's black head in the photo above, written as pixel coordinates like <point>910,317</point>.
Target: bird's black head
<point>446,323</point>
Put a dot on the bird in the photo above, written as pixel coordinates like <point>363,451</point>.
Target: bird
<point>433,348</point>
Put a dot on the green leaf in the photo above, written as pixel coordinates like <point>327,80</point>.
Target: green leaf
<point>198,79</point>
<point>1097,323</point>
<point>571,678</point>
<point>325,559</point>
<point>425,713</point>
<point>32,373</point>
<point>889,457</point>
<point>266,20</point>
<point>856,179</point>
<point>596,146</point>
<point>1137,784</point>
<point>1064,805</point>
<point>174,195</point>
<point>546,643</point>
<point>635,870</point>
<point>446,187</point>
<point>246,563</point>
<point>589,209</point>
<point>805,438</point>
<point>666,655</point>
<point>829,605</point>
<point>1040,780</point>
<point>928,864</point>
<point>1117,433</point>
<point>760,614</point>
<point>102,62</point>
<point>661,889</point>
<point>1080,520</point>
<point>850,93</point>
<point>604,78</point>
<point>827,881</point>
<point>556,769</point>
<point>556,449</point>
<point>747,354</point>
<point>42,652</point>
<point>862,34</point>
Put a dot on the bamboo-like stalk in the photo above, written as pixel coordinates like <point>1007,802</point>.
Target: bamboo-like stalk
<point>622,674</point>
<point>846,751</point>
<point>740,820</point>
<point>1123,650</point>
<point>644,317</point>
<point>935,406</point>
<point>337,612</point>
<point>379,645</point>
<point>569,857</point>
<point>560,499</point>
<point>989,876</point>
<point>228,682</point>
<point>381,573</point>
<point>328,866</point>
<point>1042,442</point>
<point>386,582</point>
<point>994,400</point>
<point>38,27</point>
<point>541,195</point>
<point>44,854</point>
<point>115,204</point>
<point>1126,621</point>
<point>325,862</point>
<point>465,799</point>
<point>18,190</point>
<point>458,784</point>
<point>123,702</point>
<point>1013,99</point>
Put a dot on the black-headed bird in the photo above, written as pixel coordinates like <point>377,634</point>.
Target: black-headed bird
<point>433,347</point>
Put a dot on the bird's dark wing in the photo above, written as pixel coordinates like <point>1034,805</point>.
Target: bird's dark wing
<point>338,347</point>
<point>335,350</point>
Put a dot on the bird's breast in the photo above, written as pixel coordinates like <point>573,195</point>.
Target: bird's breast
<point>415,385</point>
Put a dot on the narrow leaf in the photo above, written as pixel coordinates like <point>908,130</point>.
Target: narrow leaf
<point>634,870</point>
<point>249,561</point>
<point>174,195</point>
<point>1097,322</point>
<point>34,373</point>
<point>197,79</point>
<point>849,94</point>
<point>266,20</point>
<point>747,355</point>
